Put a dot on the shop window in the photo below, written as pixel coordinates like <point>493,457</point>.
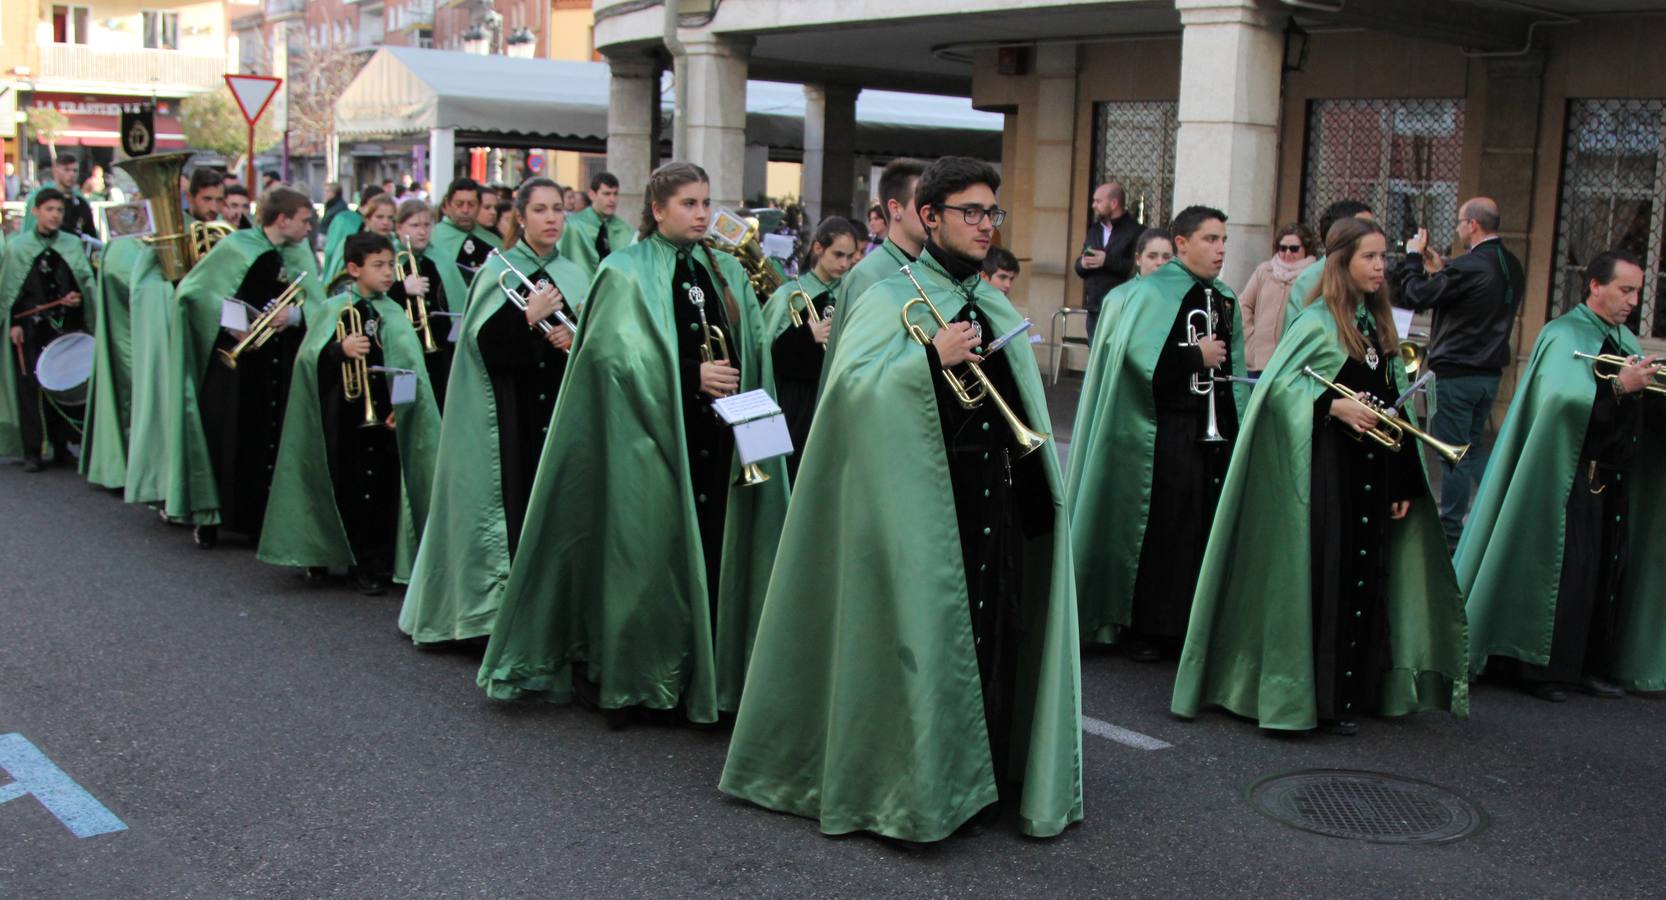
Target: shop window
<point>69,24</point>
<point>1402,156</point>
<point>1613,196</point>
<point>161,29</point>
<point>1134,146</point>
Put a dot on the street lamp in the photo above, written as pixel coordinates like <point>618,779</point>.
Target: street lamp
<point>522,44</point>
<point>477,41</point>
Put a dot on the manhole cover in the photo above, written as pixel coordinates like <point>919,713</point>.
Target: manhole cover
<point>1366,806</point>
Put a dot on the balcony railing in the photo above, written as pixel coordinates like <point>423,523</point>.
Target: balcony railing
<point>276,8</point>
<point>136,69</point>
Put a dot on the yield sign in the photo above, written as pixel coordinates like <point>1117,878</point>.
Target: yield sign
<point>253,93</point>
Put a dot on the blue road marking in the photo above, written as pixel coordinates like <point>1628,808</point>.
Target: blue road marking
<point>34,774</point>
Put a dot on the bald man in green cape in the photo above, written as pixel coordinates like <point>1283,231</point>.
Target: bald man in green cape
<point>916,666</point>
<point>594,232</point>
<point>1143,482</point>
<point>1250,646</point>
<point>43,266</point>
<point>1562,556</point>
<point>651,563</point>
<point>350,490</point>
<point>505,380</point>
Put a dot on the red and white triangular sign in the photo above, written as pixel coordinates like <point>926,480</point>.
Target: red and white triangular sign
<point>253,93</point>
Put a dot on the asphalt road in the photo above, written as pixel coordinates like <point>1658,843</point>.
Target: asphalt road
<point>262,739</point>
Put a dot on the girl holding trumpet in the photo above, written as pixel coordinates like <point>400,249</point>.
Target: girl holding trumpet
<point>436,281</point>
<point>505,377</point>
<point>1358,611</point>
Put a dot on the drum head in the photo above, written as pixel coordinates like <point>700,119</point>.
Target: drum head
<point>65,367</point>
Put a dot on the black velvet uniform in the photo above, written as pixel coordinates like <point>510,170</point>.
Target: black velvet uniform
<point>78,214</point>
<point>242,409</point>
<point>1596,540</point>
<point>39,419</point>
<point>1185,478</point>
<point>711,442</point>
<point>798,360</point>
<point>438,362</point>
<point>525,373</point>
<point>471,255</point>
<point>364,460</point>
<point>1354,482</point>
<point>1001,499</point>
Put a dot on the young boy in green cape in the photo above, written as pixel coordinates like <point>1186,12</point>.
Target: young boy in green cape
<point>1562,556</point>
<point>44,281</point>
<point>916,664</point>
<point>1349,606</point>
<point>357,461</point>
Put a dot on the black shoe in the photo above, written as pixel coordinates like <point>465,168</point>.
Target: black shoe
<point>315,576</point>
<point>1548,691</point>
<point>1601,687</point>
<point>912,848</point>
<point>617,719</point>
<point>206,536</point>
<point>1140,650</point>
<point>32,464</point>
<point>1343,727</point>
<point>371,585</point>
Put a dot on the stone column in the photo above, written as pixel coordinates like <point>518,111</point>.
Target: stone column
<point>715,68</point>
<point>1046,279</point>
<point>1231,64</point>
<point>442,158</point>
<point>632,107</point>
<point>829,150</point>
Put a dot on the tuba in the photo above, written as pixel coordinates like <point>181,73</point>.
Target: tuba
<point>355,373</point>
<point>416,308</point>
<point>1390,430</point>
<point>158,180</point>
<point>738,237</point>
<point>972,387</point>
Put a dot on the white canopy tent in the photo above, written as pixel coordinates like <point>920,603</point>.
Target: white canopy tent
<point>449,98</point>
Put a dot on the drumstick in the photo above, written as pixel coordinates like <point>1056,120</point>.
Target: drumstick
<point>39,309</point>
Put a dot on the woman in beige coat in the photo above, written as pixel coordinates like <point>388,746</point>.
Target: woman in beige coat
<point>1262,300</point>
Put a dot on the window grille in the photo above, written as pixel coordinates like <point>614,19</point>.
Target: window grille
<point>1134,145</point>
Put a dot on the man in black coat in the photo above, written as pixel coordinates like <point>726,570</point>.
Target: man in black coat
<point>1107,258</point>
<point>1475,297</point>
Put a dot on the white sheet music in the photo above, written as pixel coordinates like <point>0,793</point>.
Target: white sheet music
<point>401,387</point>
<point>761,439</point>
<point>746,407</point>
<point>234,315</point>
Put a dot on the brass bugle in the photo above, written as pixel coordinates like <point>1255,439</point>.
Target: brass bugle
<point>800,297</point>
<point>1656,385</point>
<point>261,330</point>
<point>355,373</point>
<point>714,345</point>
<point>519,295</point>
<point>416,305</point>
<point>1391,430</point>
<point>973,387</point>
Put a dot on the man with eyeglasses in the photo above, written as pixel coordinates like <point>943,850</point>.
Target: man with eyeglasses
<point>1145,465</point>
<point>1474,298</point>
<point>961,604</point>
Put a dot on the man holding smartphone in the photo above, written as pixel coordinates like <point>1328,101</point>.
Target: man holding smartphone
<point>1107,258</point>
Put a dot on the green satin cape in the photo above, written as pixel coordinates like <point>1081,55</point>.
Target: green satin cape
<point>1112,447</point>
<point>110,395</point>
<point>1249,645</point>
<point>1510,557</point>
<point>192,495</point>
<point>578,239</point>
<point>863,706</point>
<point>302,525</point>
<point>462,567</point>
<point>346,224</point>
<point>20,254</point>
<point>877,266</point>
<point>613,574</point>
<point>28,226</point>
<point>451,281</point>
<point>1306,283</point>
<point>447,241</point>
<point>151,309</point>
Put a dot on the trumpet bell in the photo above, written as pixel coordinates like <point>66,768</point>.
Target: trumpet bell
<point>1411,355</point>
<point>751,475</point>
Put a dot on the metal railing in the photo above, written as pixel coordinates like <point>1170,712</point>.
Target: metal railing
<point>136,68</point>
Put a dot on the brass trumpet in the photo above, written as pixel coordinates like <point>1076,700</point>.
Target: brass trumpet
<point>416,306</point>
<point>1656,385</point>
<point>355,373</point>
<point>801,298</point>
<point>1200,324</point>
<point>261,329</point>
<point>1390,430</point>
<point>970,395</point>
<point>714,345</point>
<point>519,295</point>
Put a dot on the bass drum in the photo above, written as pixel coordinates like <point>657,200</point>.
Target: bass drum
<point>65,367</point>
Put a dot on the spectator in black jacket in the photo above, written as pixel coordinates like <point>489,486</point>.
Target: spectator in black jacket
<point>1107,258</point>
<point>1474,298</point>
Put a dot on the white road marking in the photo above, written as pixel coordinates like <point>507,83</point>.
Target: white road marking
<point>1122,735</point>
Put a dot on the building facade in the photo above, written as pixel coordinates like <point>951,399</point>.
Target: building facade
<point>1268,110</point>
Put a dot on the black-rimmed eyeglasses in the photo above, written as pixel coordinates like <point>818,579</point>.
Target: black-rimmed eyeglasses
<point>975,214</point>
